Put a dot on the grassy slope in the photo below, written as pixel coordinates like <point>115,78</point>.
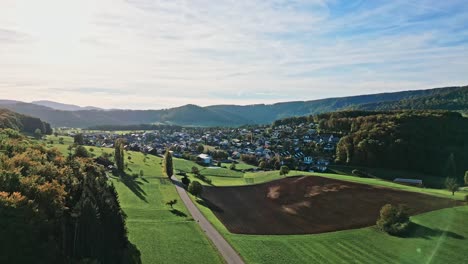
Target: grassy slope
<point>160,235</point>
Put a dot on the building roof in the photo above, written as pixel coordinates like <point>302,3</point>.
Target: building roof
<point>414,181</point>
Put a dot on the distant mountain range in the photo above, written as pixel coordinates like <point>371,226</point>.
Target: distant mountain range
<point>63,107</point>
<point>62,115</point>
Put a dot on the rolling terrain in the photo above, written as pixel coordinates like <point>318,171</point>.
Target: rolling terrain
<point>234,115</point>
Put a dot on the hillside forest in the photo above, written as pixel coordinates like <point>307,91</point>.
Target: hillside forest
<point>56,209</point>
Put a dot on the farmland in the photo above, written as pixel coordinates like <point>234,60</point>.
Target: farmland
<point>306,205</point>
<point>436,237</point>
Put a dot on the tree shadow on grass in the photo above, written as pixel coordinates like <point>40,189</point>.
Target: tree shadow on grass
<point>420,231</point>
<point>206,203</point>
<point>134,185</point>
<point>178,213</point>
<point>143,179</point>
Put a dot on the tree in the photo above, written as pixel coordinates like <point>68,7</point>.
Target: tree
<point>168,166</point>
<point>195,188</point>
<point>38,133</point>
<point>142,173</point>
<point>200,148</point>
<point>78,139</point>
<point>393,220</point>
<point>284,170</point>
<point>195,170</point>
<point>81,152</point>
<point>262,165</point>
<point>185,180</point>
<point>450,166</point>
<point>451,185</point>
<point>171,203</point>
<point>466,177</point>
<point>119,154</point>
<point>61,140</point>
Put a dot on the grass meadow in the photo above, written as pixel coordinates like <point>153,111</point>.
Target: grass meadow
<point>162,235</point>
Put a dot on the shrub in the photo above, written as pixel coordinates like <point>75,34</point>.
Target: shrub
<point>394,220</point>
<point>284,170</point>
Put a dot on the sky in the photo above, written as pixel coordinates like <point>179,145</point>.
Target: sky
<point>153,54</point>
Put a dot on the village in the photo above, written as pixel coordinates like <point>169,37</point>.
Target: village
<point>300,147</point>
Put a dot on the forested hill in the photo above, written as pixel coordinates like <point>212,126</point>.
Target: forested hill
<point>451,99</point>
<point>23,123</point>
<point>56,209</point>
<point>235,115</point>
<point>431,142</point>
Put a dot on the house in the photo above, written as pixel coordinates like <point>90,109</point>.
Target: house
<point>308,160</point>
<point>204,158</point>
<point>414,182</point>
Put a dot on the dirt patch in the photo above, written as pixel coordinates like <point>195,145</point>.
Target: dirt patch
<point>309,205</point>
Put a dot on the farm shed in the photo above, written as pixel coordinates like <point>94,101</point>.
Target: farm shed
<point>414,182</point>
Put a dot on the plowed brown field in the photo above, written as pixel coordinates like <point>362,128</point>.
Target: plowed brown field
<point>309,205</point>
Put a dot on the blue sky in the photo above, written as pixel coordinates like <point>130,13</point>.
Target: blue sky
<point>155,54</point>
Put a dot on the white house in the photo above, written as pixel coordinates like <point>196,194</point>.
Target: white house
<point>204,158</point>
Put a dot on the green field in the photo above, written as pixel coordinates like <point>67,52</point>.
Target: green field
<point>161,235</point>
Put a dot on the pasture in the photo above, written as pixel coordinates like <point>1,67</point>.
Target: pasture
<point>162,234</point>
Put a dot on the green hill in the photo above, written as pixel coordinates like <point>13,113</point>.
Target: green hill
<point>23,123</point>
<point>235,115</point>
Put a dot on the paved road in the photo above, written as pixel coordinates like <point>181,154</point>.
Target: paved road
<point>228,253</point>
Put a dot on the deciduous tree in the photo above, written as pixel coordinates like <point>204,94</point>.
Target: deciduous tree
<point>452,185</point>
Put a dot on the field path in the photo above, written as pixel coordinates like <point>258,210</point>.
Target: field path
<point>228,253</point>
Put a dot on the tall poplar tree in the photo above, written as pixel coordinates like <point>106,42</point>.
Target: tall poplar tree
<point>119,155</point>
<point>168,166</point>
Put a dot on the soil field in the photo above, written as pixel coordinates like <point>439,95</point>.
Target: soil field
<point>309,205</point>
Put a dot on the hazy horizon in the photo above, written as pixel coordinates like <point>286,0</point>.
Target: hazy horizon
<point>141,54</point>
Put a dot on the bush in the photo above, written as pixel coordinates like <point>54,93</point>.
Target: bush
<point>233,166</point>
<point>394,220</point>
<point>466,198</point>
<point>284,170</point>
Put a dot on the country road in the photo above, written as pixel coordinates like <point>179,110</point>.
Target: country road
<point>228,253</point>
